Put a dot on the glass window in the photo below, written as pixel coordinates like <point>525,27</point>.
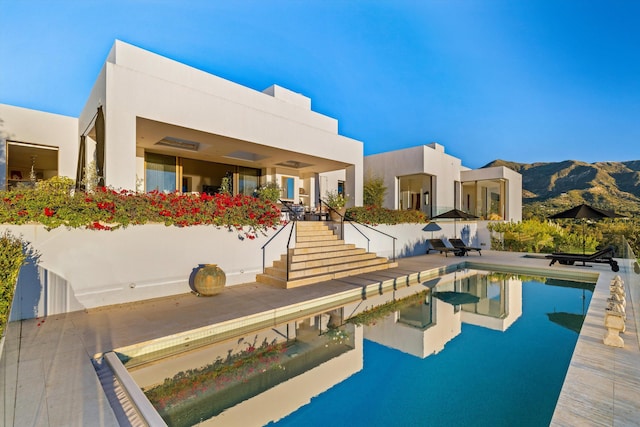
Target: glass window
<point>288,188</point>
<point>160,172</point>
<point>28,163</point>
<point>248,180</point>
<point>341,187</point>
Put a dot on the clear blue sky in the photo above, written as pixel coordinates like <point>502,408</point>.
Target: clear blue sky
<point>520,80</point>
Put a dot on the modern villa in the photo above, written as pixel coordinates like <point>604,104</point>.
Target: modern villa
<point>87,302</point>
<point>151,123</point>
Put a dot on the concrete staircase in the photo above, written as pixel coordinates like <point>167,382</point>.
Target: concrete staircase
<point>319,256</point>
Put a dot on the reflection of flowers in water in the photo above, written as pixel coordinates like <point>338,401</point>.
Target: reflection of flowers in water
<point>336,336</point>
<point>217,375</point>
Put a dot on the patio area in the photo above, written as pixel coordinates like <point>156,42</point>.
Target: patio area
<point>599,389</point>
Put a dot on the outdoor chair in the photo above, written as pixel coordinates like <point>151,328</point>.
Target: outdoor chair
<point>438,245</point>
<point>459,244</point>
<point>603,256</point>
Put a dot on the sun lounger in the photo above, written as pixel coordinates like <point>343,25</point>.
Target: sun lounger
<point>604,256</point>
<point>459,244</point>
<point>438,245</point>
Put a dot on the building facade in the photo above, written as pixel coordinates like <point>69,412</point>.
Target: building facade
<point>151,123</point>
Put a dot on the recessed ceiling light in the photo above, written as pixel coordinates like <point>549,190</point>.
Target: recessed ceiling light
<point>182,144</point>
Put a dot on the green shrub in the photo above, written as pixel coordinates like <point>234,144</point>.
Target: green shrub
<point>374,191</point>
<point>11,259</point>
<point>376,215</point>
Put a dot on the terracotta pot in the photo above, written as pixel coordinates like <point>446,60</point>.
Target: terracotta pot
<point>334,216</point>
<point>209,280</point>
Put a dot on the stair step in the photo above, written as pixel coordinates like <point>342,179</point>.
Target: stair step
<point>292,283</point>
<point>324,261</point>
<point>334,247</point>
<point>327,269</point>
<point>311,256</point>
<point>319,243</point>
<point>316,238</point>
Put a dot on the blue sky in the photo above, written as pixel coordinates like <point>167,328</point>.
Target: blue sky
<point>526,80</point>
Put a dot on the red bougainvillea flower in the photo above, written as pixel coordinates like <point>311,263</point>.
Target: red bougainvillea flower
<point>49,212</point>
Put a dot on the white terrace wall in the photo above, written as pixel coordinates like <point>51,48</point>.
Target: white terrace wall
<point>78,269</point>
<point>412,240</point>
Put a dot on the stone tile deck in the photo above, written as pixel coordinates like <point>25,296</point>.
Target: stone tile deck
<point>58,386</point>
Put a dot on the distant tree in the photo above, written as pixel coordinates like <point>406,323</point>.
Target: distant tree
<point>374,191</point>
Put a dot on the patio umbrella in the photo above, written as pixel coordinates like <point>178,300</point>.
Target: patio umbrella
<point>571,321</point>
<point>455,214</point>
<point>432,226</point>
<point>584,212</point>
<point>456,298</point>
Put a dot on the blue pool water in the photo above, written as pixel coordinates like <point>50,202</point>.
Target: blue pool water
<point>482,377</point>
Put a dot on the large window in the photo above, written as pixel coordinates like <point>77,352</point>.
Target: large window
<point>160,172</point>
<point>485,199</point>
<point>27,163</point>
<point>248,180</point>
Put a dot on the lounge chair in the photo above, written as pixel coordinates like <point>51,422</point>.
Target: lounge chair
<point>438,245</point>
<point>459,244</point>
<point>603,256</point>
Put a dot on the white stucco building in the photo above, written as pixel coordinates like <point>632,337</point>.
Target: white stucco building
<point>425,178</point>
<point>168,126</point>
<point>154,123</point>
<point>151,123</point>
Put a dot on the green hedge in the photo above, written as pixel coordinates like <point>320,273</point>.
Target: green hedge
<point>374,215</point>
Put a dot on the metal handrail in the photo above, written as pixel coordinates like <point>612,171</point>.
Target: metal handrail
<point>351,220</point>
<point>269,241</point>
<point>293,218</point>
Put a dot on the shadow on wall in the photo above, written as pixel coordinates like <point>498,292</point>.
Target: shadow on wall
<point>418,247</point>
<point>40,292</point>
<point>465,235</point>
<point>28,290</point>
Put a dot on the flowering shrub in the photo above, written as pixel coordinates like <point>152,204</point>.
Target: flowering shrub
<point>107,209</point>
<point>217,375</point>
<point>375,215</point>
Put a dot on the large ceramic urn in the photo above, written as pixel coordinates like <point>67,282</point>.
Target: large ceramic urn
<point>209,280</point>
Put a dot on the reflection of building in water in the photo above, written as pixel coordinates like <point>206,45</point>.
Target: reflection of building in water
<point>421,329</point>
<point>316,360</point>
<point>286,397</point>
<point>500,302</point>
<point>424,328</point>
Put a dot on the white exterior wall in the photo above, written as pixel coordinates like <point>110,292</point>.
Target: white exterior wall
<point>37,127</point>
<point>143,84</point>
<point>422,159</point>
<point>80,269</point>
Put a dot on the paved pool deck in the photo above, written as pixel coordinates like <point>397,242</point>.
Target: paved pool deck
<point>58,386</point>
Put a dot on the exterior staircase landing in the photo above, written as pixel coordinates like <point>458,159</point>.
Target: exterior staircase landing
<point>319,256</point>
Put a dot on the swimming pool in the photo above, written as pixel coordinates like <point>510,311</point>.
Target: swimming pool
<point>482,377</point>
<point>485,348</point>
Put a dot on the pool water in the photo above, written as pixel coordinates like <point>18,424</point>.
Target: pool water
<point>482,376</point>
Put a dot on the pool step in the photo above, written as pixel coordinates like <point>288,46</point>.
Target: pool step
<point>320,256</point>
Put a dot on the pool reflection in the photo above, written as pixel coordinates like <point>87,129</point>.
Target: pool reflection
<point>324,350</point>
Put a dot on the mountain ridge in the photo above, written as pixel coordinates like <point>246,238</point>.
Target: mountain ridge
<point>550,186</point>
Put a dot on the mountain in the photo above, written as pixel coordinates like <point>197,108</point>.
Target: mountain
<point>549,187</point>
